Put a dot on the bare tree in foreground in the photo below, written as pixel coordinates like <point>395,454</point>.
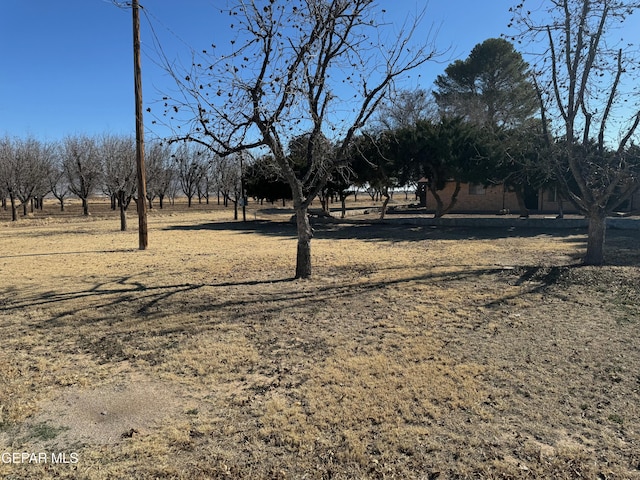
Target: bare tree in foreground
<point>582,81</point>
<point>314,67</point>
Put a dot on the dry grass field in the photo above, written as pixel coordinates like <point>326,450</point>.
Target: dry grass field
<point>413,353</point>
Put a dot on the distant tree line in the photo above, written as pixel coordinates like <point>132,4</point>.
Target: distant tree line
<point>84,166</point>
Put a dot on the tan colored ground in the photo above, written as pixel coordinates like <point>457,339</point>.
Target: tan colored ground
<point>414,352</point>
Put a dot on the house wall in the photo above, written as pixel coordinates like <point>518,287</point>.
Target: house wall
<point>476,199</point>
<point>634,203</point>
<point>493,200</point>
<point>548,203</point>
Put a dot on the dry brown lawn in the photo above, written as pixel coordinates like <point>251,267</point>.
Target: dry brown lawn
<point>413,353</point>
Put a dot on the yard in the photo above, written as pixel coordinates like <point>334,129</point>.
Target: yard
<point>414,352</point>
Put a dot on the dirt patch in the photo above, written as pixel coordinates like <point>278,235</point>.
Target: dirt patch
<point>132,406</point>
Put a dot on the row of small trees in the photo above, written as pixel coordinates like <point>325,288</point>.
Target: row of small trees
<point>83,166</point>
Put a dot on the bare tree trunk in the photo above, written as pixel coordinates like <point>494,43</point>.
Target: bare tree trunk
<point>244,209</point>
<point>123,219</point>
<point>560,208</point>
<point>305,233</point>
<point>441,210</point>
<point>324,203</point>
<point>454,199</point>
<point>14,209</point>
<point>439,205</point>
<point>595,237</point>
<point>383,211</point>
<point>343,201</point>
<point>123,214</point>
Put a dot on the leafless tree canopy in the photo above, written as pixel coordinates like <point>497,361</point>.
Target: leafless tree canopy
<point>24,167</point>
<point>585,70</point>
<point>82,166</point>
<point>406,108</point>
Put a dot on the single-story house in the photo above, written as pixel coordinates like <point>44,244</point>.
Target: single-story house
<point>476,198</point>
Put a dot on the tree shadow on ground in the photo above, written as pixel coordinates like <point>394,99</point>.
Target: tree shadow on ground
<point>380,231</point>
<point>549,280</point>
<point>622,247</point>
<point>118,292</point>
<point>56,254</point>
<point>134,301</point>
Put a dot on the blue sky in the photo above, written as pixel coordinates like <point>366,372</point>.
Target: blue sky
<point>67,66</point>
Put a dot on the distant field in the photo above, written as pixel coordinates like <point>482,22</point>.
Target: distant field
<point>414,352</point>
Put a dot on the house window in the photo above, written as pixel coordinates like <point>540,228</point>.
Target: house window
<point>477,189</point>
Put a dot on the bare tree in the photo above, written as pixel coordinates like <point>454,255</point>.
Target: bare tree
<point>119,175</point>
<point>207,179</point>
<point>229,181</point>
<point>581,79</point>
<point>82,167</point>
<point>4,193</point>
<point>58,185</point>
<point>188,162</point>
<point>25,163</point>
<point>405,108</point>
<point>166,185</point>
<point>319,67</point>
<point>159,171</point>
<point>33,161</point>
<point>7,176</point>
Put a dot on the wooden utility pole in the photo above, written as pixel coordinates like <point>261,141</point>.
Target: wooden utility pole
<point>143,239</point>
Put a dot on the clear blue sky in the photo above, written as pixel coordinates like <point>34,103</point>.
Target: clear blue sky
<point>67,66</point>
